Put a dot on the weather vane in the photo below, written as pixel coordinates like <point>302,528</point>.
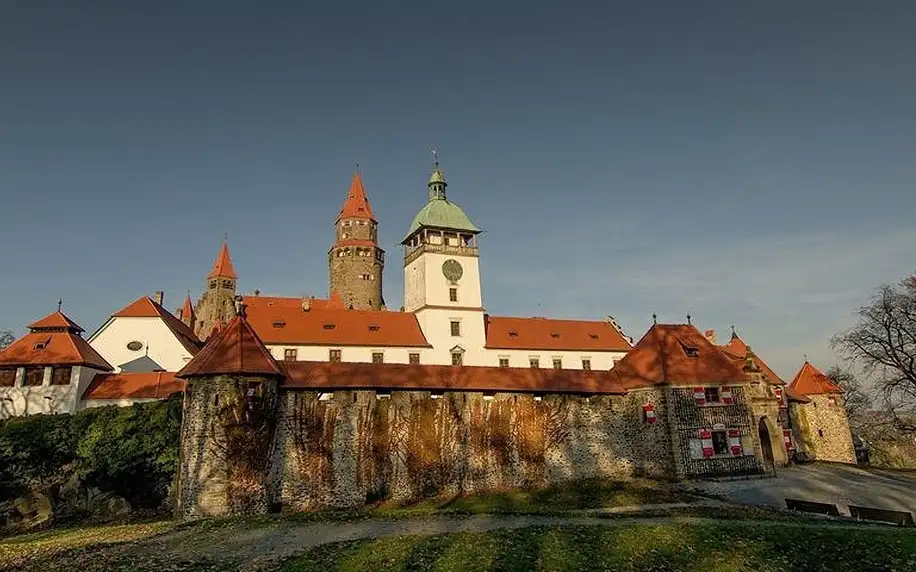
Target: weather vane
<point>436,156</point>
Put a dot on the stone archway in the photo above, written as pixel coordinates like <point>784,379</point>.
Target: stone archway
<point>766,445</point>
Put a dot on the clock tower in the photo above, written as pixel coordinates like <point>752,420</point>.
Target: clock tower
<point>442,277</point>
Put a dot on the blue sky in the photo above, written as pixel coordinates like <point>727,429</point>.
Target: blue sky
<point>748,162</point>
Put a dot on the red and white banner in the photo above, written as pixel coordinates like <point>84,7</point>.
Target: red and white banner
<point>649,413</point>
<point>706,441</point>
<point>726,395</point>
<point>787,438</point>
<point>734,442</point>
<point>777,391</point>
<point>699,395</point>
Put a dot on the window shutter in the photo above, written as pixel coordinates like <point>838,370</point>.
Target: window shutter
<point>734,442</point>
<point>699,395</point>
<point>726,395</point>
<point>777,391</point>
<point>787,438</point>
<point>649,412</point>
<point>706,442</point>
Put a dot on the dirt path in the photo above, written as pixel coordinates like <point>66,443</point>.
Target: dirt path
<point>264,547</point>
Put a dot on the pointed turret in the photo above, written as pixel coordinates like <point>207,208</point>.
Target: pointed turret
<point>186,314</point>
<point>218,299</point>
<point>222,266</point>
<point>355,261</point>
<point>811,381</point>
<point>357,204</point>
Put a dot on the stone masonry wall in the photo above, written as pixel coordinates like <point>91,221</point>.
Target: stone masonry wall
<point>209,479</point>
<point>686,419</point>
<point>349,265</point>
<point>356,448</point>
<point>821,430</point>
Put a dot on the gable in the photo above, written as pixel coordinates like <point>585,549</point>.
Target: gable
<point>124,340</point>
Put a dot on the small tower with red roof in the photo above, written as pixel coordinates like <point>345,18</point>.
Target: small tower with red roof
<point>355,261</point>
<point>819,422</point>
<point>229,424</point>
<point>217,303</point>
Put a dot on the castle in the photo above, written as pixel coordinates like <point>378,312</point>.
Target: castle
<point>306,402</point>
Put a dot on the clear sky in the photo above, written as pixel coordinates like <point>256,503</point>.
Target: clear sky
<point>749,162</point>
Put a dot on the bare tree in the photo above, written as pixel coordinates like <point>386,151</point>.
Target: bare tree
<point>858,402</point>
<point>883,342</point>
<point>6,338</point>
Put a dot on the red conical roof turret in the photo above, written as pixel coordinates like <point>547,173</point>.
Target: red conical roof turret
<point>222,267</point>
<point>357,204</point>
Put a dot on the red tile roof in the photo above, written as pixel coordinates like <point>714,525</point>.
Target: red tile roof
<point>236,349</point>
<point>187,311</point>
<point>329,376</point>
<point>222,266</point>
<point>146,307</point>
<point>548,334</point>
<point>134,385</point>
<point>357,204</point>
<point>661,358</point>
<point>737,350</point>
<point>283,321</point>
<point>52,348</point>
<point>54,321</point>
<point>811,381</point>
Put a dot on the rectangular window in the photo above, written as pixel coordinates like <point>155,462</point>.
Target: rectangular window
<point>290,354</point>
<point>415,358</point>
<point>720,442</point>
<point>453,294</point>
<point>557,363</point>
<point>34,376</point>
<point>503,361</point>
<point>61,376</point>
<point>7,377</point>
<point>711,394</point>
<point>534,362</point>
<point>586,364</point>
<point>456,327</point>
<point>378,357</point>
<point>457,358</point>
<point>334,356</point>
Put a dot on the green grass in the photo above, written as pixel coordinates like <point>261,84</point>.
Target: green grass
<point>677,546</point>
<point>586,494</point>
<point>15,550</point>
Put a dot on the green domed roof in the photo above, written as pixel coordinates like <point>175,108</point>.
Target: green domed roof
<point>439,212</point>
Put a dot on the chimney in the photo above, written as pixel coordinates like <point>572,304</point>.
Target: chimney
<point>306,304</point>
<point>158,297</point>
<point>711,336</point>
<point>257,292</point>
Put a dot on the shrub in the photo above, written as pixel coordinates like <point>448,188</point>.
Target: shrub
<point>130,451</point>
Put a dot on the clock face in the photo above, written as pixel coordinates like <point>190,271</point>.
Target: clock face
<point>452,270</point>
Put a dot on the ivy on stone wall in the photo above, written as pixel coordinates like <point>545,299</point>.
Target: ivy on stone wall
<point>311,424</point>
<point>243,437</point>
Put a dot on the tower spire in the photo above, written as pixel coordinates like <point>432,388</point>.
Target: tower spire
<point>437,181</point>
<point>356,204</point>
<point>222,266</point>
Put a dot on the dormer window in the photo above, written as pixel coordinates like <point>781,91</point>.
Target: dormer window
<point>691,351</point>
<point>513,334</point>
<point>373,328</point>
<point>593,336</point>
<point>329,326</point>
<point>278,323</point>
<point>554,335</point>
